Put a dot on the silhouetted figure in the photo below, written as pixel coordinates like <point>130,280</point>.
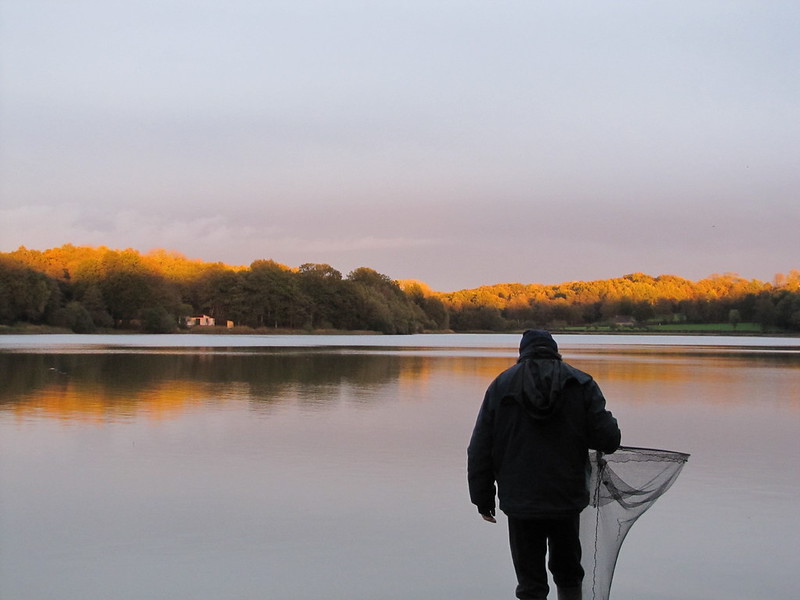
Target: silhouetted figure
<point>535,427</point>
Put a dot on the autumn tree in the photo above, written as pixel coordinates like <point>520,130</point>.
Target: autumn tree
<point>124,288</point>
<point>436,312</point>
<point>381,305</point>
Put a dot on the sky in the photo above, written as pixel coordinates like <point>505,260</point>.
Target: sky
<point>459,143</point>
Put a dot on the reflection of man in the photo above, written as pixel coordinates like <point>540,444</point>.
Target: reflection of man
<point>535,426</point>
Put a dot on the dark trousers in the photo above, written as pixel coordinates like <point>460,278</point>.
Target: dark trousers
<point>529,540</point>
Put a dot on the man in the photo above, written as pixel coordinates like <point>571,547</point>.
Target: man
<point>534,429</point>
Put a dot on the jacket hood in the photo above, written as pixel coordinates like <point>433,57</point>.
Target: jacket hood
<point>538,384</point>
<point>537,341</point>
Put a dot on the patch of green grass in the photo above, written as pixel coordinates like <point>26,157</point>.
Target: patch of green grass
<point>708,327</point>
<point>716,328</point>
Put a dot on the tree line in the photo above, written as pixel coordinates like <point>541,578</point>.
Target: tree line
<point>86,289</point>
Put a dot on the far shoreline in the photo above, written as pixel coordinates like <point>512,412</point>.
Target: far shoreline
<point>695,330</point>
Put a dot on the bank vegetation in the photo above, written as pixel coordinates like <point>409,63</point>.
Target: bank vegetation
<point>87,289</point>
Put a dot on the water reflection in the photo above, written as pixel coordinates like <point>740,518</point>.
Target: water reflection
<point>122,385</point>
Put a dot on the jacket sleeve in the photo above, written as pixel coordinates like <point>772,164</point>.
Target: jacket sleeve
<point>480,470</point>
<point>603,431</point>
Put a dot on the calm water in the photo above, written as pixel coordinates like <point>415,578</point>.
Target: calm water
<point>216,467</point>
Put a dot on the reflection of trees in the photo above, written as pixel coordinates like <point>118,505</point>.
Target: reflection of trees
<point>119,383</point>
<point>160,384</point>
<point>685,375</point>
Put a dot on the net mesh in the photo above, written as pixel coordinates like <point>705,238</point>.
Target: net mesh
<point>623,486</point>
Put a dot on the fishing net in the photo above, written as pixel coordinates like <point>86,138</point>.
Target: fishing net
<point>623,486</point>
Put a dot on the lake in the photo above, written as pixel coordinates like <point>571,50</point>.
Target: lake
<point>215,467</point>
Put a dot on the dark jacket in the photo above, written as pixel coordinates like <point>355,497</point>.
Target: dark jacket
<point>535,426</point>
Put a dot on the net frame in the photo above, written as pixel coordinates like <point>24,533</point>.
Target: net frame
<point>622,487</point>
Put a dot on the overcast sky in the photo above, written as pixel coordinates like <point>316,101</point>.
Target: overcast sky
<point>461,143</point>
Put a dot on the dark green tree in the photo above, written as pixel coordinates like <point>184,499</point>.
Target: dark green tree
<point>382,305</point>
<point>25,294</point>
<point>273,297</point>
<point>157,319</point>
<point>324,289</point>
<point>74,316</point>
<point>93,302</point>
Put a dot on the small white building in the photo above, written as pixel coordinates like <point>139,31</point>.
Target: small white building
<point>201,321</point>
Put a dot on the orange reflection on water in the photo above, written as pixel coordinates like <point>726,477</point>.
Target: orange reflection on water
<point>92,402</point>
<point>160,387</point>
<point>719,378</point>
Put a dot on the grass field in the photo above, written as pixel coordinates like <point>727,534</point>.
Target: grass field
<point>713,328</point>
<point>708,327</point>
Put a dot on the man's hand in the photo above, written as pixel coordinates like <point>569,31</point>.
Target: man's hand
<point>487,513</point>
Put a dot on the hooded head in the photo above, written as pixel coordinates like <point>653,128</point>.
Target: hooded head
<point>537,343</point>
<point>538,383</point>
